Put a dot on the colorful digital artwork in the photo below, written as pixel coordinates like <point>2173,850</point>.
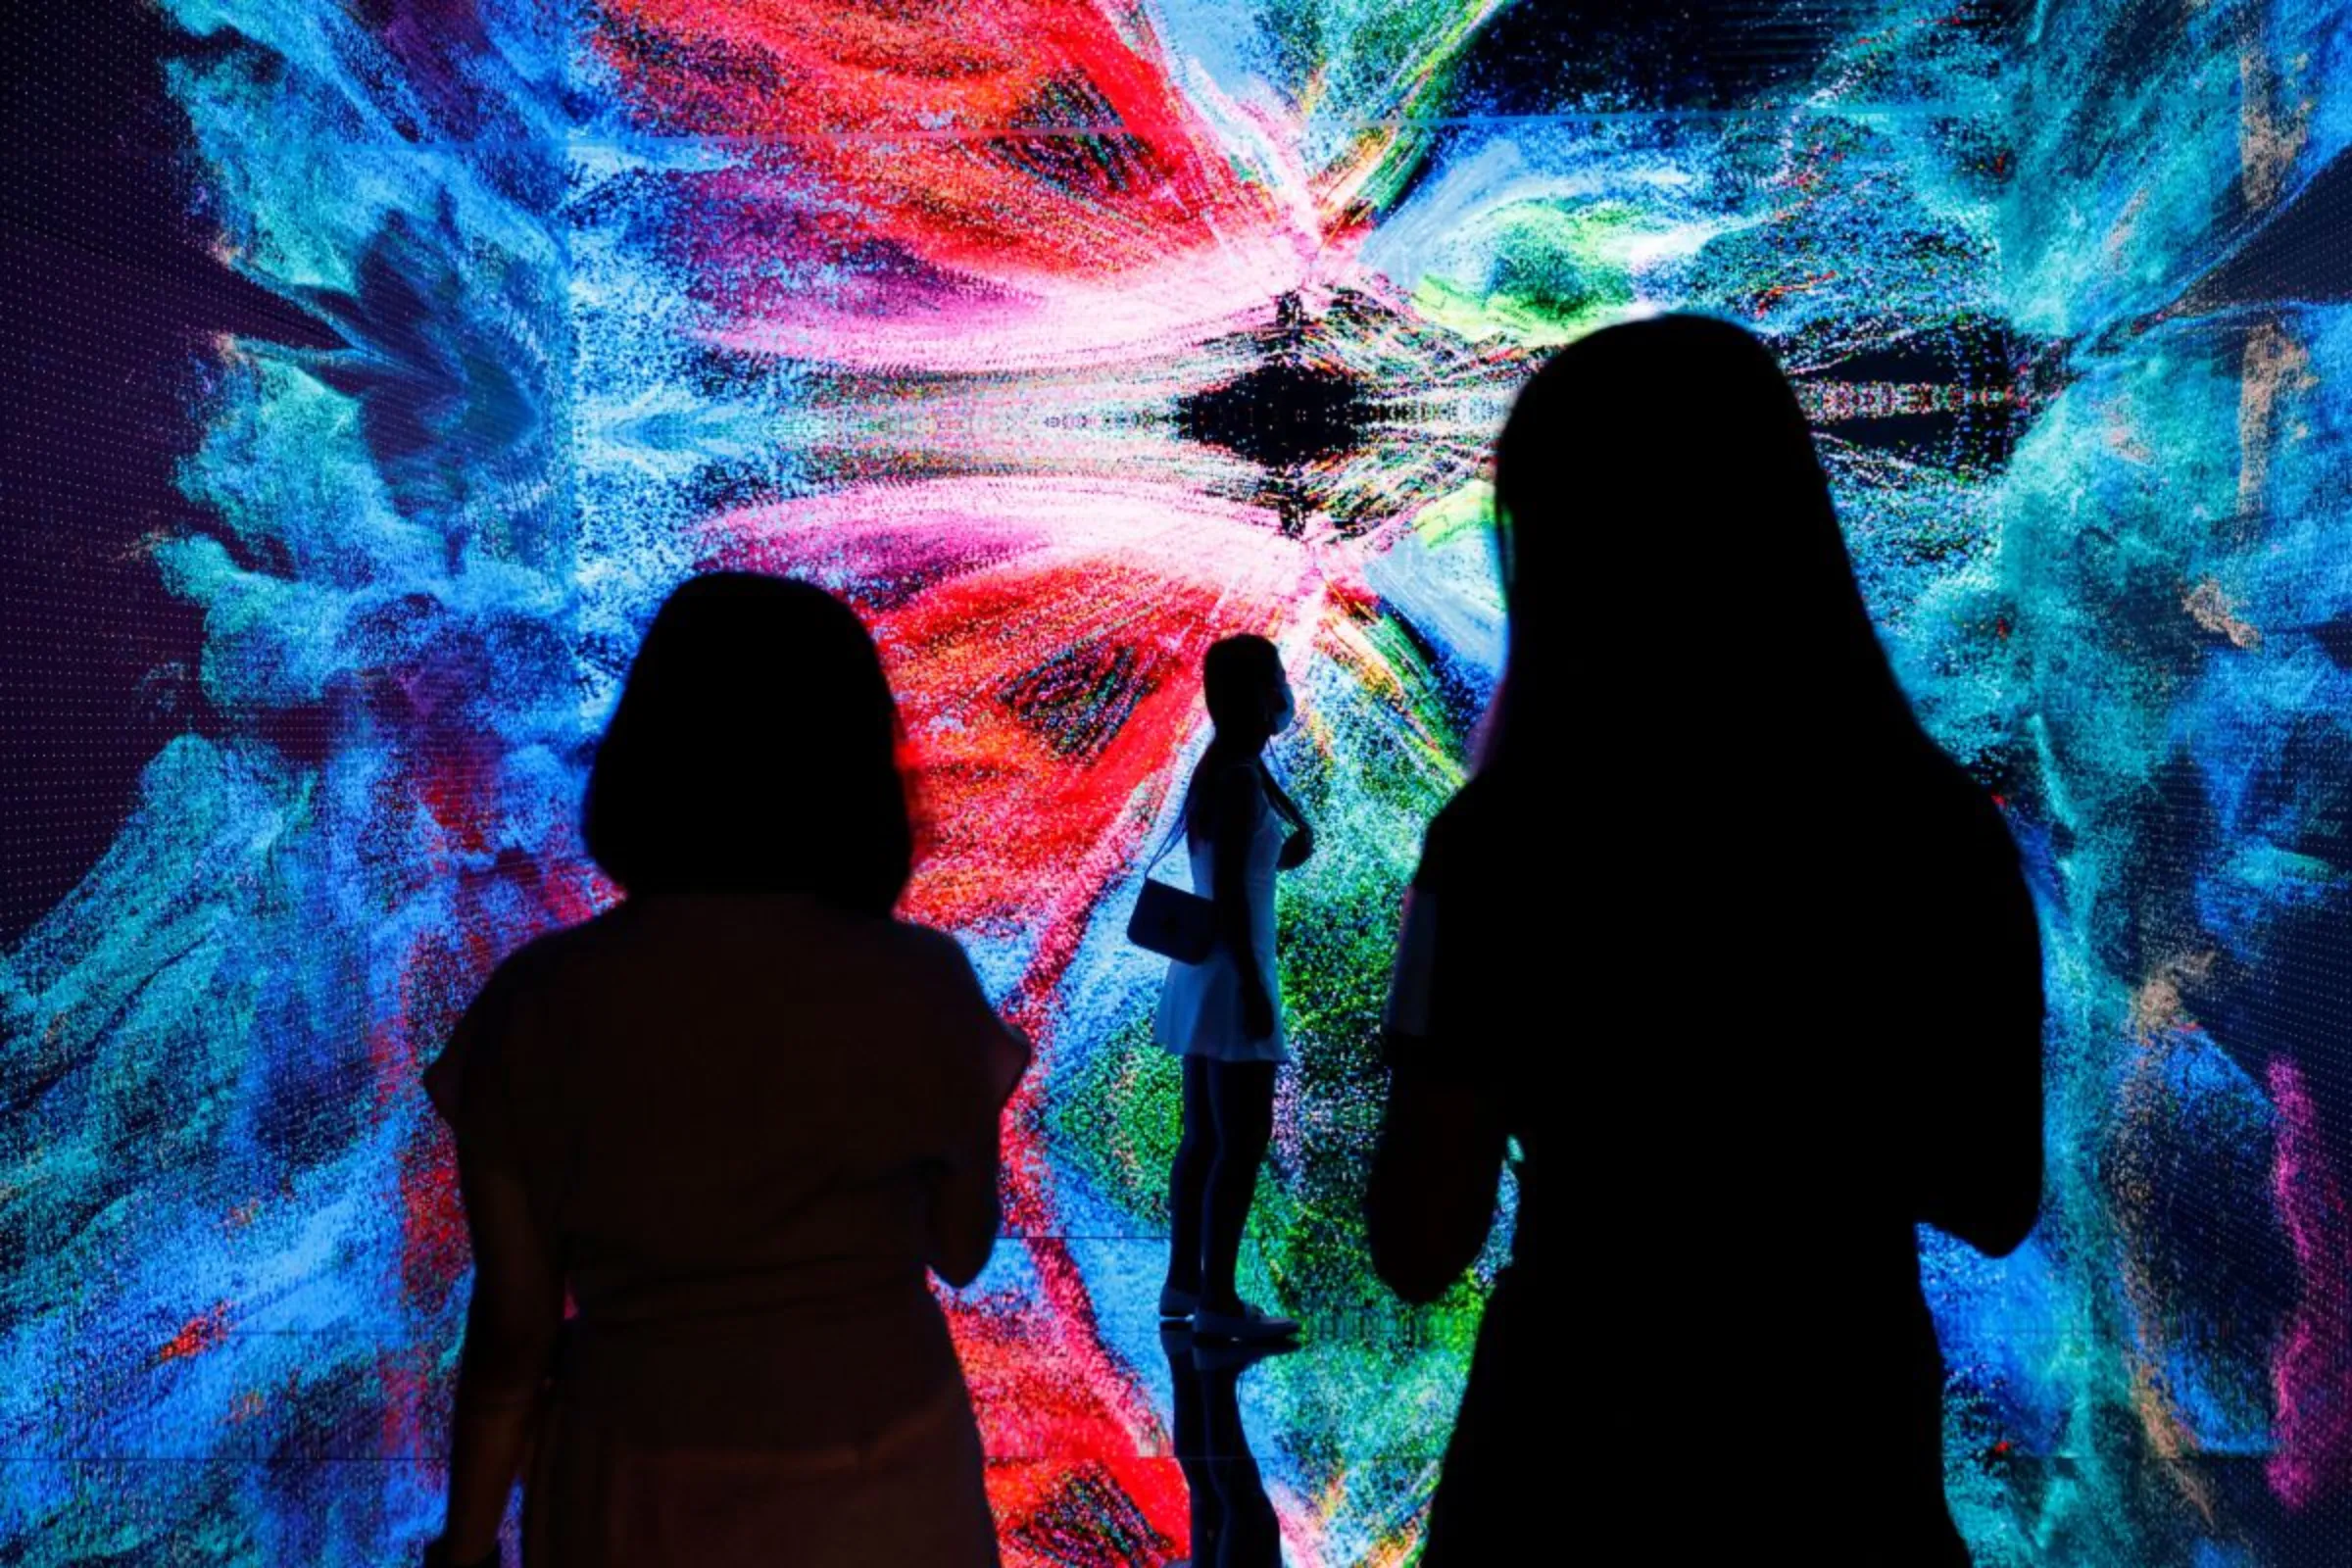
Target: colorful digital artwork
<point>1061,337</point>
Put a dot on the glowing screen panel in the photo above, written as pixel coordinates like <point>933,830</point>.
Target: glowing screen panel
<point>1062,338</point>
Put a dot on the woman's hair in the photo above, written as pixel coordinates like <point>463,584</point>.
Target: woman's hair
<point>754,750</point>
<point>1235,675</point>
<point>1671,563</point>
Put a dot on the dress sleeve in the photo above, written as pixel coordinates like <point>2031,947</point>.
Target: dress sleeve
<point>472,1083</point>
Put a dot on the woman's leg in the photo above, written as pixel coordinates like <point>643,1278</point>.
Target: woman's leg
<point>1189,1434</point>
<point>1188,1179</point>
<point>1252,1535</point>
<point>1241,1098</point>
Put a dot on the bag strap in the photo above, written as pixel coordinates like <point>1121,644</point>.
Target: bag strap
<point>1175,832</point>
<point>1166,842</point>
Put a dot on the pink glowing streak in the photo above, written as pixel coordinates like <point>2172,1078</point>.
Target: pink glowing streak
<point>2311,1369</point>
<point>1154,306</point>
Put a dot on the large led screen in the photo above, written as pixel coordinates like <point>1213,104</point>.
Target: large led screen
<point>1061,337</point>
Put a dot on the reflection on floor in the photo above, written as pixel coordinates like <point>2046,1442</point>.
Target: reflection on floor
<point>1319,1456</point>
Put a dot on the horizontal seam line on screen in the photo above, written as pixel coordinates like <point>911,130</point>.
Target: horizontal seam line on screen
<point>993,1456</point>
<point>1922,111</point>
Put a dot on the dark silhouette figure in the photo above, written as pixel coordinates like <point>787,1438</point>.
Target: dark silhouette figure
<point>1714,896</point>
<point>736,1118</point>
<point>1234,1523</point>
<point>1224,1015</point>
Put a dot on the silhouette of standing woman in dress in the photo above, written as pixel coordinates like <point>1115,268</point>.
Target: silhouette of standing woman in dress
<point>737,1117</point>
<point>1714,898</point>
<point>1223,1015</point>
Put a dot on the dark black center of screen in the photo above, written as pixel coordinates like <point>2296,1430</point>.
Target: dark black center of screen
<point>1285,412</point>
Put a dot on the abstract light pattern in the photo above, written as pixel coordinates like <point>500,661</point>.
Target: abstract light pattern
<point>1061,338</point>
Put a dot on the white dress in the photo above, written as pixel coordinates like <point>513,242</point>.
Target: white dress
<point>1200,1003</point>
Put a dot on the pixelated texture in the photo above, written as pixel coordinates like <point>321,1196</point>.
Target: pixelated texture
<point>1060,339</point>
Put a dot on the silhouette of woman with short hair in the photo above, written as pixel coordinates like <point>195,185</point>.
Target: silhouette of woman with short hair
<point>1715,902</point>
<point>737,1117</point>
<point>1223,1015</point>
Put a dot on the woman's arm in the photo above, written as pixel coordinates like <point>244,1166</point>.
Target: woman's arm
<point>965,1213</point>
<point>1440,1157</point>
<point>510,1332</point>
<point>1299,846</point>
<point>1233,823</point>
<point>1979,1167</point>
<point>1435,1177</point>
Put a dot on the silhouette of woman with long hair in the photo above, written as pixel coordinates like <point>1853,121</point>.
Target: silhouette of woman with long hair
<point>736,1118</point>
<point>1715,898</point>
<point>1223,1015</point>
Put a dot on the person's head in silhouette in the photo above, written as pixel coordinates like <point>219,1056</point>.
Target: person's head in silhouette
<point>1673,569</point>
<point>754,750</point>
<point>1248,693</point>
